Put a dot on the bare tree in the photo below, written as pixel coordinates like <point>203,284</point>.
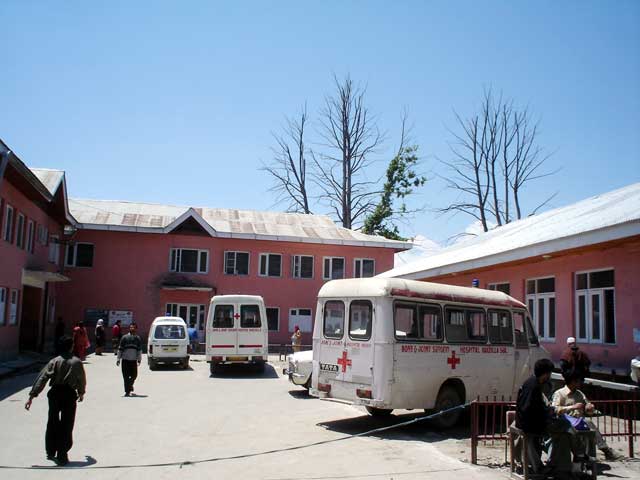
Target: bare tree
<point>495,155</point>
<point>289,166</point>
<point>350,137</point>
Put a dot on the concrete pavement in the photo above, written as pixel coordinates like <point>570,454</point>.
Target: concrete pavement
<point>187,416</point>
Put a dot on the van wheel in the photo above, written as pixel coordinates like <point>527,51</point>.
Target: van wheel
<point>379,412</point>
<point>448,397</point>
<point>152,365</point>
<point>213,368</point>
<point>260,367</point>
<point>308,384</point>
<point>185,364</point>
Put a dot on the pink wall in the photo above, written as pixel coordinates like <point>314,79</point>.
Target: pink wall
<point>623,258</point>
<point>128,266</point>
<point>14,259</point>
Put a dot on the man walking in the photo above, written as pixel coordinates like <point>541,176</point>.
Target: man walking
<point>116,336</point>
<point>193,337</point>
<point>130,353</point>
<point>68,383</point>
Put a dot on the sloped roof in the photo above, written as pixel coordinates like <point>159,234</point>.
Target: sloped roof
<point>248,224</point>
<point>49,178</point>
<point>610,216</point>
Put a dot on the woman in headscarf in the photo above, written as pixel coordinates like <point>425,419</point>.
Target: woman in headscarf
<point>296,339</point>
<point>100,336</point>
<point>80,340</point>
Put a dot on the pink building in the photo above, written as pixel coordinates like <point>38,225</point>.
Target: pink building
<point>576,267</point>
<point>33,213</point>
<point>135,261</point>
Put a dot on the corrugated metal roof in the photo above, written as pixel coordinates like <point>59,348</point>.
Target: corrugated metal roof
<point>120,215</point>
<point>597,219</point>
<point>49,178</point>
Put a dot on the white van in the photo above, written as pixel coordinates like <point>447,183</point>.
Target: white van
<point>168,342</point>
<point>237,331</point>
<point>389,343</point>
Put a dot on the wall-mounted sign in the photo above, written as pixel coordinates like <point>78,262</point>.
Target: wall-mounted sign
<point>125,316</point>
<point>91,316</point>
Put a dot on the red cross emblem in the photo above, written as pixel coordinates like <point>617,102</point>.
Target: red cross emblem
<point>236,316</point>
<point>344,361</point>
<point>453,360</point>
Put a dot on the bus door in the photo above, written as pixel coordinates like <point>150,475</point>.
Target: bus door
<point>522,361</point>
<point>356,359</point>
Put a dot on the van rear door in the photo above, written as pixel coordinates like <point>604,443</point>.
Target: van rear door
<point>356,361</point>
<point>224,335</point>
<point>250,337</point>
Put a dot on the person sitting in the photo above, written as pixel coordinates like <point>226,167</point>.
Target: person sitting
<point>536,417</point>
<point>571,401</point>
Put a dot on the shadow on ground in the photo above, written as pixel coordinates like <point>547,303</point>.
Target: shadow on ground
<point>422,430</point>
<point>12,385</point>
<point>302,394</point>
<point>248,372</point>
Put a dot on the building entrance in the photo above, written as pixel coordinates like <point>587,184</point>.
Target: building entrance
<point>30,318</point>
<point>190,313</point>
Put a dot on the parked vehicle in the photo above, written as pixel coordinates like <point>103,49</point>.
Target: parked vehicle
<point>237,331</point>
<point>299,367</point>
<point>168,342</point>
<point>394,343</point>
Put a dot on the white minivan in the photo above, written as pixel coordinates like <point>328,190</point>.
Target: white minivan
<point>237,331</point>
<point>168,342</point>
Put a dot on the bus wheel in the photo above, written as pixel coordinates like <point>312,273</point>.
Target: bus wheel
<point>447,398</point>
<point>379,412</point>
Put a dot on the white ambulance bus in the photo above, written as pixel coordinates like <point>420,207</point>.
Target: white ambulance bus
<point>237,331</point>
<point>389,343</point>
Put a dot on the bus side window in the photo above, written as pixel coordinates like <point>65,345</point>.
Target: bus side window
<point>476,326</point>
<point>430,322</point>
<point>519,330</point>
<point>405,321</point>
<point>333,326</point>
<point>500,330</point>
<point>465,325</point>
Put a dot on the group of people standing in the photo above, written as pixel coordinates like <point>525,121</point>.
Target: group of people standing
<point>67,380</point>
<point>553,424</point>
<point>80,337</point>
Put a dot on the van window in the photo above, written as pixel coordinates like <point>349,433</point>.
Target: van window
<point>416,322</point>
<point>500,330</point>
<point>519,330</point>
<point>223,317</point>
<point>250,316</point>
<point>333,319</point>
<point>169,332</point>
<point>360,313</point>
<point>531,333</point>
<point>466,325</point>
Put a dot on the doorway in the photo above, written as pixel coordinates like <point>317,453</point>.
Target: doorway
<point>30,318</point>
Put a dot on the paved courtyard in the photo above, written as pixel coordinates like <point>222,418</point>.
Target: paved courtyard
<point>188,416</point>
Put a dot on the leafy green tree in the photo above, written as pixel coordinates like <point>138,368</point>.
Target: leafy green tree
<point>401,180</point>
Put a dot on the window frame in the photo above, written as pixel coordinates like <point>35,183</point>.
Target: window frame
<point>13,314</point>
<point>293,267</point>
<point>546,298</point>
<point>367,336</point>
<point>589,293</point>
<point>233,312</point>
<point>330,276</point>
<point>235,263</point>
<point>30,243</point>
<point>362,260</point>
<point>8,226</point>
<point>54,249</point>
<point>495,287</point>
<point>324,319</point>
<point>243,308</point>
<point>467,311</point>
<point>416,306</point>
<point>509,313</point>
<point>20,230</point>
<point>4,297</point>
<point>268,256</point>
<point>74,246</point>
<point>178,257</point>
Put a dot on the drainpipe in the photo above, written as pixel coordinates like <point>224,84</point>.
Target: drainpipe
<point>4,161</point>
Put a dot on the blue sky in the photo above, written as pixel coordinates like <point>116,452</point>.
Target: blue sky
<point>175,102</point>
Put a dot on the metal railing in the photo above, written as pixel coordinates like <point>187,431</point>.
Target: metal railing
<point>489,423</point>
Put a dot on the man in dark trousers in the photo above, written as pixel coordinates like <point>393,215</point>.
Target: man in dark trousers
<point>536,417</point>
<point>130,353</point>
<point>68,383</point>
